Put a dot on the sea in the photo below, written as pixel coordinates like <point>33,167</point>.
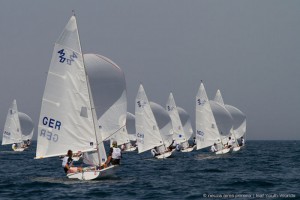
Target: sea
<point>260,170</point>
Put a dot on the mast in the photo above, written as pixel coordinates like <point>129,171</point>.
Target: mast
<point>90,94</point>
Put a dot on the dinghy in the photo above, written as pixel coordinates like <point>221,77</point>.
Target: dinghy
<point>207,129</point>
<point>68,118</point>
<point>153,126</point>
<point>179,134</point>
<point>18,129</point>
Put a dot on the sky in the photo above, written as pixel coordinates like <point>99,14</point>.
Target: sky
<point>247,49</point>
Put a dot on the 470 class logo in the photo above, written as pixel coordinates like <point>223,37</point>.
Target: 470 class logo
<point>63,58</point>
<point>201,102</point>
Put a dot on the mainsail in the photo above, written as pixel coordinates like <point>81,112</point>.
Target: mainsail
<point>66,119</point>
<point>147,131</point>
<point>207,132</point>
<point>178,130</point>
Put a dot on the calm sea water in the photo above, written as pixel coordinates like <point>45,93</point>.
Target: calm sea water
<point>262,170</point>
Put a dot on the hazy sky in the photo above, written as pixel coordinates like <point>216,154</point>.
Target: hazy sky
<point>250,50</point>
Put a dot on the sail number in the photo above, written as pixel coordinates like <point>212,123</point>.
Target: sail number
<point>52,123</point>
<point>201,102</point>
<point>63,58</point>
<point>140,138</point>
<point>200,133</point>
<point>6,133</point>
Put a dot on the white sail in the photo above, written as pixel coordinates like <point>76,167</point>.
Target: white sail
<point>206,128</point>
<point>163,122</point>
<point>147,131</point>
<point>186,122</point>
<point>66,120</point>
<point>239,120</point>
<point>178,130</point>
<point>222,117</point>
<point>130,126</point>
<point>218,98</point>
<point>238,117</point>
<point>99,157</point>
<point>109,92</point>
<point>12,132</point>
<point>27,126</point>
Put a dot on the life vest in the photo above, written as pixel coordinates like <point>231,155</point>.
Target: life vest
<point>116,154</point>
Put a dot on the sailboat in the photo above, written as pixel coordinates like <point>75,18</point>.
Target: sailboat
<point>239,120</point>
<point>18,128</point>
<point>68,119</point>
<point>207,131</point>
<point>179,134</point>
<point>151,132</point>
<point>108,87</point>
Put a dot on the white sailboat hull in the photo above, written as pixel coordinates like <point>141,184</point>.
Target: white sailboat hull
<point>91,174</point>
<point>130,149</point>
<point>236,149</point>
<point>165,155</point>
<point>18,148</point>
<point>223,151</point>
<point>189,149</point>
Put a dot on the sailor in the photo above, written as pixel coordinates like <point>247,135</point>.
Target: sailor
<point>242,141</point>
<point>214,148</point>
<point>194,142</point>
<point>28,143</point>
<point>178,146</point>
<point>172,145</point>
<point>67,164</point>
<point>229,143</point>
<point>123,147</point>
<point>154,152</point>
<point>114,155</point>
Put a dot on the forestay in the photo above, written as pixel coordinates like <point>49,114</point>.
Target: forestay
<point>12,129</point>
<point>206,128</point>
<point>66,120</point>
<point>147,131</point>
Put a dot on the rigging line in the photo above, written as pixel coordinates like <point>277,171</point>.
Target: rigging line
<point>114,132</point>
